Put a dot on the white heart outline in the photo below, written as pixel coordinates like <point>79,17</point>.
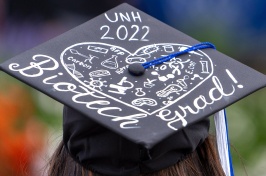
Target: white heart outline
<point>130,54</point>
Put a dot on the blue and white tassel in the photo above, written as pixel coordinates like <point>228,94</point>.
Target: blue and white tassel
<point>223,142</point>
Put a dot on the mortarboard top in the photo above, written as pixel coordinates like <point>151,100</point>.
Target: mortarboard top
<point>86,69</point>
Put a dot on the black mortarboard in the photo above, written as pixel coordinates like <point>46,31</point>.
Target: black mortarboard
<point>96,70</point>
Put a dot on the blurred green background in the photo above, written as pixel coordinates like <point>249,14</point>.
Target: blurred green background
<point>30,122</point>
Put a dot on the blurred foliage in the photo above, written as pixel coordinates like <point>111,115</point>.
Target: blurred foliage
<point>247,124</point>
<point>21,133</point>
<point>44,108</point>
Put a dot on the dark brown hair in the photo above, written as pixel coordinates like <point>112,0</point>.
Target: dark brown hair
<point>204,161</point>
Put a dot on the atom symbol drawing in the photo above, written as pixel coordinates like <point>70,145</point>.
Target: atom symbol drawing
<point>96,83</point>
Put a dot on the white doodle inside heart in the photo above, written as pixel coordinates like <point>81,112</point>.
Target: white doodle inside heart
<point>103,67</point>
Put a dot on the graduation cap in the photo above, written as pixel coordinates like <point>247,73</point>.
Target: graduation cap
<point>130,84</point>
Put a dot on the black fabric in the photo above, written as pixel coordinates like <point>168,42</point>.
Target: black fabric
<point>103,151</point>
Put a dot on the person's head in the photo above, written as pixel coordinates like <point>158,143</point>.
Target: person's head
<point>90,149</point>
